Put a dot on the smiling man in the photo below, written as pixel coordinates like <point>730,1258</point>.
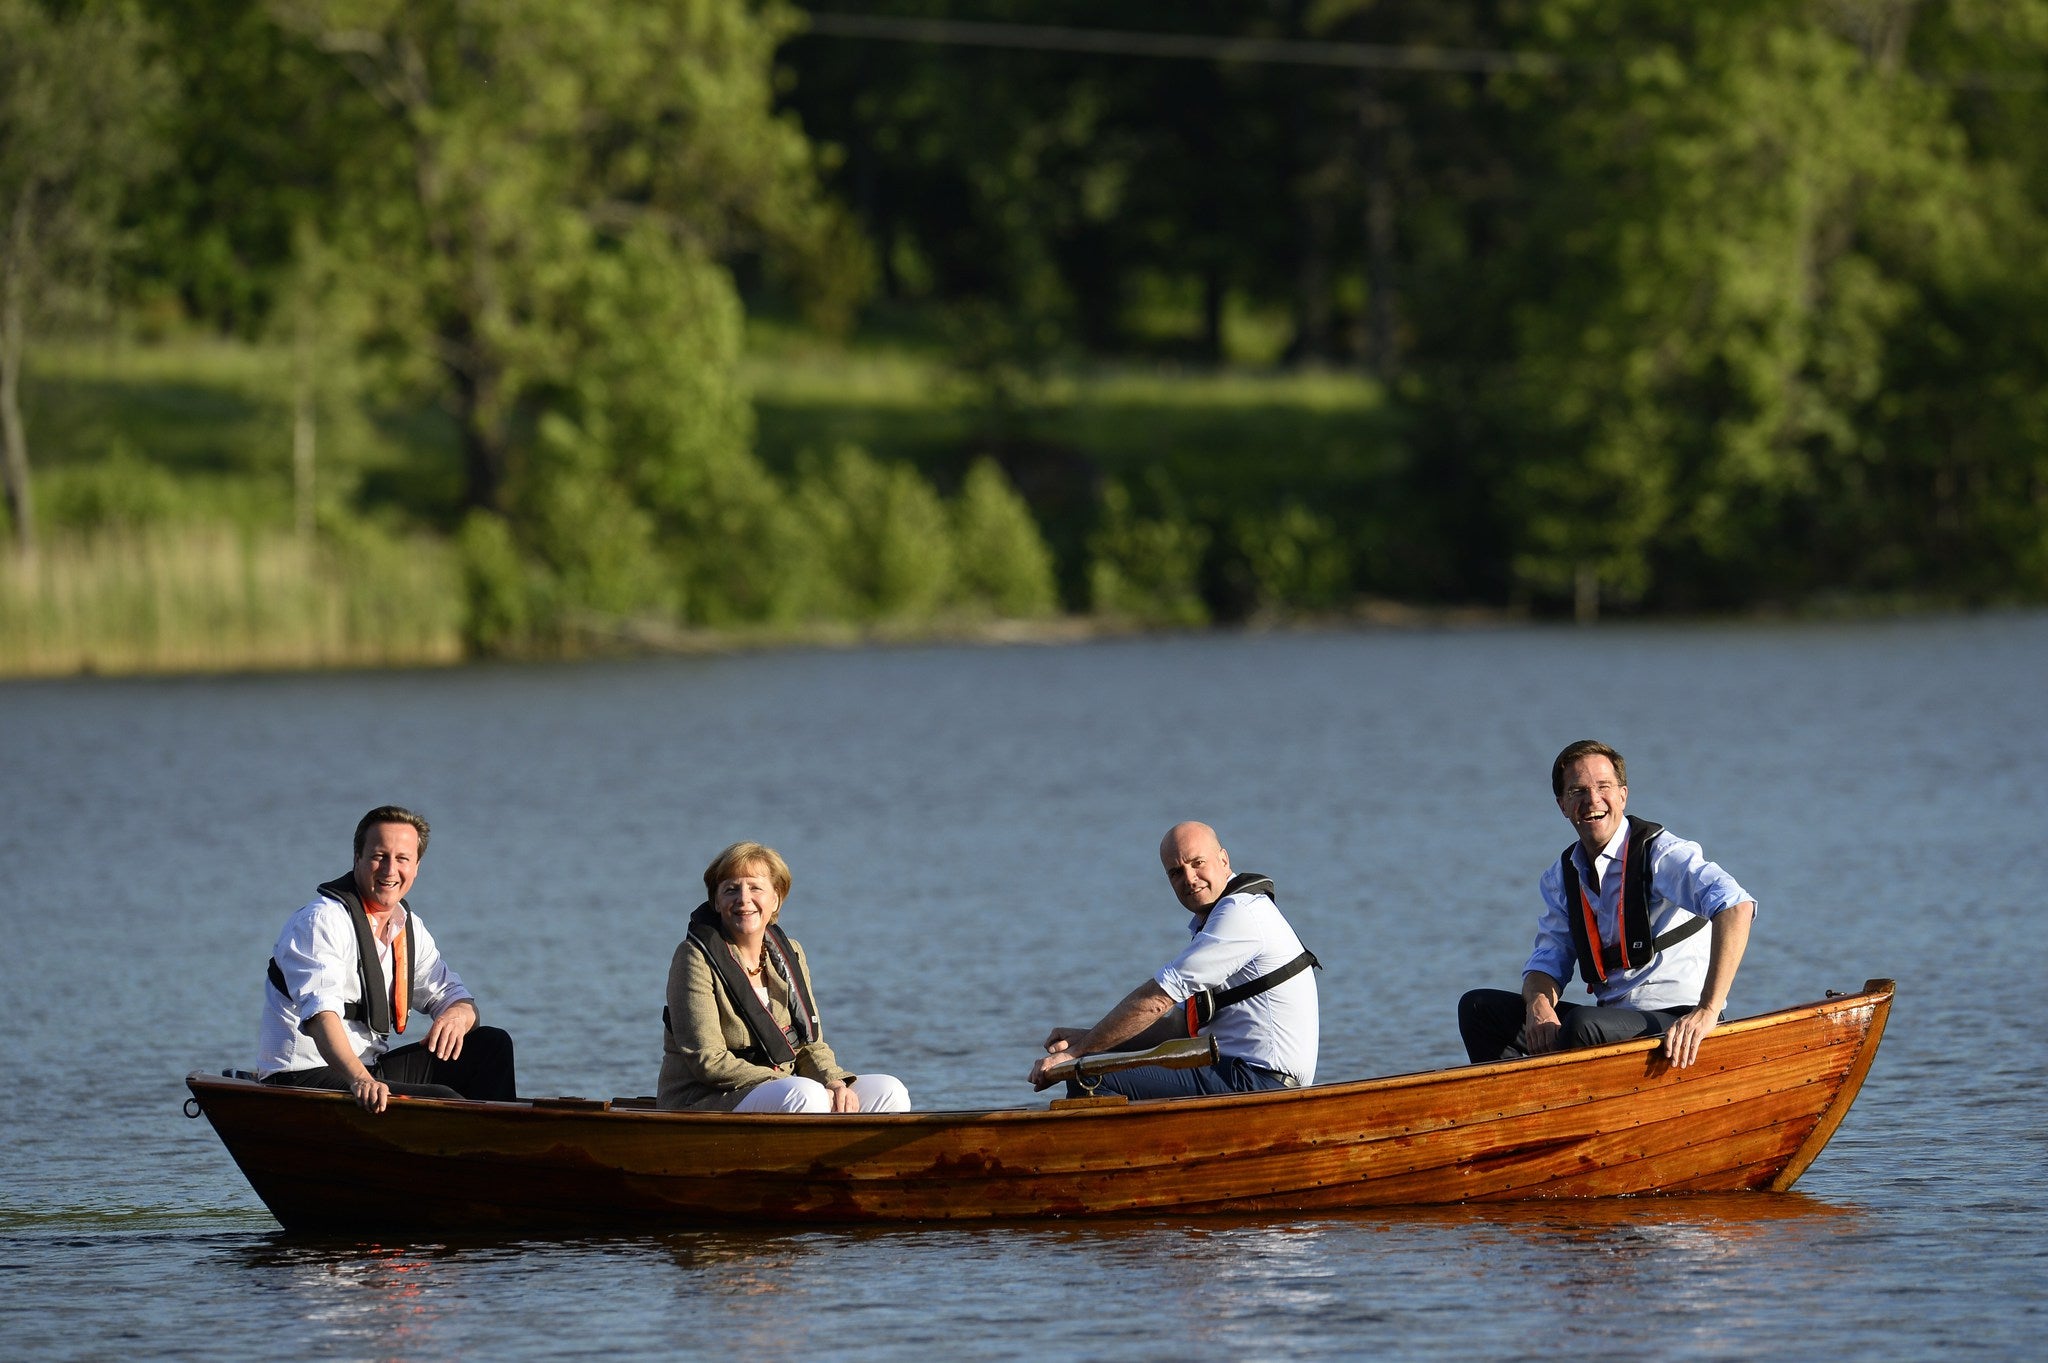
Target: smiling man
<point>1654,929</point>
<point>1243,979</point>
<point>350,969</point>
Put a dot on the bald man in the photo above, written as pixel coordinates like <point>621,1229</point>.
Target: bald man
<point>1244,979</point>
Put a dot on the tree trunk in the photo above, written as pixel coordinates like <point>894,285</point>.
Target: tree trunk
<point>1312,279</point>
<point>1214,289</point>
<point>14,273</point>
<point>1586,593</point>
<point>304,428</point>
<point>1314,215</point>
<point>480,417</point>
<point>1376,120</point>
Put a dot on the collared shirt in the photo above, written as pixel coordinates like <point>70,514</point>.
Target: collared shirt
<point>1242,938</point>
<point>1682,882</point>
<point>316,953</point>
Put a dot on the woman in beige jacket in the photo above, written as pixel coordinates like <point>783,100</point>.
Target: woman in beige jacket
<point>741,1032</point>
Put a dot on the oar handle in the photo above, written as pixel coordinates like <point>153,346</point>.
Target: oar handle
<point>1184,1053</point>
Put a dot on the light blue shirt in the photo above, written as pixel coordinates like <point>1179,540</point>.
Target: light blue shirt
<point>1682,882</point>
<point>1245,937</point>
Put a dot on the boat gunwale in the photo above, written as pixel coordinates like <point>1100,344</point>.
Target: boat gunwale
<point>1876,993</point>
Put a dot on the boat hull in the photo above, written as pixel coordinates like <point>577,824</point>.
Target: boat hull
<point>1752,1113</point>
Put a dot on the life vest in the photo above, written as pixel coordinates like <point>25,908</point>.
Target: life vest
<point>1636,945</point>
<point>1205,1004</point>
<point>769,1039</point>
<point>375,1009</point>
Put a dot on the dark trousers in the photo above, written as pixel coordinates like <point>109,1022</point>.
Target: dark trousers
<point>483,1070</point>
<point>1228,1075</point>
<point>1490,1021</point>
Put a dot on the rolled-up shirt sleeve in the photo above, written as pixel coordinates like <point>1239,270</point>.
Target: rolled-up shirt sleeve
<point>317,957</point>
<point>1215,953</point>
<point>1683,875</point>
<point>1553,953</point>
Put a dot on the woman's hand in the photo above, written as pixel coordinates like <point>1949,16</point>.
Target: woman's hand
<point>844,1099</point>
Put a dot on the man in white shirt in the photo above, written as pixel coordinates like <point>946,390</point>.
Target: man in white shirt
<point>1654,928</point>
<point>1243,979</point>
<point>351,967</point>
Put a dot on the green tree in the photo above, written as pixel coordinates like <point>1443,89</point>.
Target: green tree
<point>78,104</point>
<point>1947,487</point>
<point>269,137</point>
<point>1294,558</point>
<point>1147,568</point>
<point>1003,563</point>
<point>883,537</point>
<point>1733,223</point>
<point>542,219</point>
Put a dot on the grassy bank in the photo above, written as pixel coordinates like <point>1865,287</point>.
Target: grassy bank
<point>209,598</point>
<point>1252,437</point>
<point>199,430</point>
<point>166,485</point>
<point>1257,473</point>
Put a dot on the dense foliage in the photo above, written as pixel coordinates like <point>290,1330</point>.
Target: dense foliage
<point>1684,306</point>
<point>1648,305</point>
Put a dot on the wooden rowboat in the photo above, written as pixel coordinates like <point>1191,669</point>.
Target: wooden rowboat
<point>1761,1102</point>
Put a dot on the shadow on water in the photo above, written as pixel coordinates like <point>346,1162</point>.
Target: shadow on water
<point>89,1220</point>
<point>1650,1224</point>
<point>1298,1279</point>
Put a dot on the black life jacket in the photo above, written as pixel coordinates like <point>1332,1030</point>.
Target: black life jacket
<point>769,1039</point>
<point>375,1009</point>
<point>1204,1004</point>
<point>1636,946</point>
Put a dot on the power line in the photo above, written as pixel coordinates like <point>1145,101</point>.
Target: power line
<point>1206,47</point>
<point>1271,51</point>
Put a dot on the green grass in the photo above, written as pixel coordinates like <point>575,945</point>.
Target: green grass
<point>164,482</point>
<point>1221,447</point>
<point>1245,435</point>
<point>212,598</point>
<point>215,415</point>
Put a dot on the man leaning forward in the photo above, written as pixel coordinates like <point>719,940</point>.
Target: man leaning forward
<point>1243,979</point>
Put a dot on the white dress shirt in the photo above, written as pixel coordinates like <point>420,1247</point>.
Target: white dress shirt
<point>1243,938</point>
<point>316,953</point>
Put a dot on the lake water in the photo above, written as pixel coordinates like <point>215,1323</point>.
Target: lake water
<point>973,836</point>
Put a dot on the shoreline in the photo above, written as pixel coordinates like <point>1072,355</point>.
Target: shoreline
<point>598,640</point>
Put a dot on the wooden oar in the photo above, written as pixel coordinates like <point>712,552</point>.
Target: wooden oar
<point>1184,1053</point>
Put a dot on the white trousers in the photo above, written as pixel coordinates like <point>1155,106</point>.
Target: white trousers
<point>877,1093</point>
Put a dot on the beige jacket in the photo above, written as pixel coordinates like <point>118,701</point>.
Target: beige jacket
<point>704,1064</point>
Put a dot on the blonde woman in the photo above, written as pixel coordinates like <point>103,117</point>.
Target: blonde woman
<point>742,1032</point>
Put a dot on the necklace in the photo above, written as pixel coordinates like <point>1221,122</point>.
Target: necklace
<point>753,971</point>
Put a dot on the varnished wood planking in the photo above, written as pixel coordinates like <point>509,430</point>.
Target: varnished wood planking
<point>1616,1120</point>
